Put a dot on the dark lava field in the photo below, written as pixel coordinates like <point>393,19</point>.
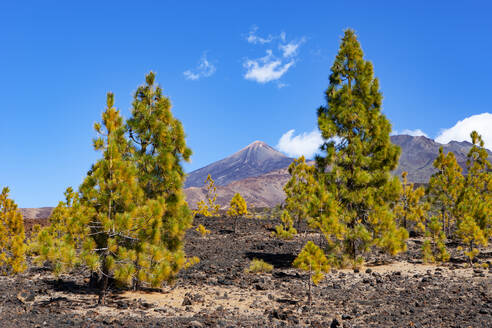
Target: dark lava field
<point>218,292</point>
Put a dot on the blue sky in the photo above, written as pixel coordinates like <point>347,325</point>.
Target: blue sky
<point>235,72</point>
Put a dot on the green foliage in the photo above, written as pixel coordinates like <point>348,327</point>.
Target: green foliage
<point>299,190</point>
<point>12,244</point>
<point>434,246</point>
<point>470,234</point>
<point>474,226</point>
<point>313,260</point>
<point>209,208</point>
<point>410,209</point>
<point>285,230</point>
<point>359,156</point>
<point>445,188</point>
<point>259,266</point>
<point>129,217</point>
<point>237,208</point>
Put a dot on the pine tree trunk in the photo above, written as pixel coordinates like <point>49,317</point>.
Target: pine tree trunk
<point>94,280</point>
<point>309,289</point>
<point>104,286</point>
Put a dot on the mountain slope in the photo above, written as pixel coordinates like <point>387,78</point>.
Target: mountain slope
<point>418,154</point>
<point>256,159</point>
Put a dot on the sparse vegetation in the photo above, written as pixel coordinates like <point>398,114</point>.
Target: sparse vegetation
<point>259,266</point>
<point>209,207</point>
<point>237,208</point>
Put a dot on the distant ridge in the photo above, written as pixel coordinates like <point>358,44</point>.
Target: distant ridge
<point>254,160</point>
<point>259,172</point>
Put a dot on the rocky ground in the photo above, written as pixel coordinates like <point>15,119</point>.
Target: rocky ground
<point>218,292</point>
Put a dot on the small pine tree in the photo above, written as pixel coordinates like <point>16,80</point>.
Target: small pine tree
<point>434,246</point>
<point>237,208</point>
<point>358,154</point>
<point>470,234</point>
<point>313,260</point>
<point>12,237</point>
<point>209,208</point>
<point>299,190</point>
<point>445,188</point>
<point>285,230</point>
<point>410,209</point>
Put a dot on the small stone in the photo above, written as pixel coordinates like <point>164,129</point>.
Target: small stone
<point>195,324</point>
<point>186,301</point>
<point>368,270</point>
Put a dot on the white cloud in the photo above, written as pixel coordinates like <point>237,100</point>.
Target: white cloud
<point>306,144</point>
<point>413,133</point>
<point>266,69</point>
<point>290,49</point>
<point>482,123</point>
<point>254,39</point>
<point>271,67</point>
<point>204,69</point>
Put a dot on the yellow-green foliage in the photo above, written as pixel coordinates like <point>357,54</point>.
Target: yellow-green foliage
<point>445,188</point>
<point>474,226</point>
<point>410,210</point>
<point>470,234</point>
<point>298,190</point>
<point>129,217</point>
<point>237,208</point>
<point>202,230</point>
<point>434,247</point>
<point>259,266</point>
<point>208,208</point>
<point>285,230</point>
<point>191,261</point>
<point>12,244</point>
<point>313,260</point>
<point>358,157</point>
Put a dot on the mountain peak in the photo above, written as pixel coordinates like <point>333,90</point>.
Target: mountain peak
<point>255,159</point>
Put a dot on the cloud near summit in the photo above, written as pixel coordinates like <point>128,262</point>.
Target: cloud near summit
<point>306,143</point>
<point>482,123</point>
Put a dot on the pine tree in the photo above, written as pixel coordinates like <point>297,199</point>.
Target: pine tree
<point>474,226</point>
<point>434,246</point>
<point>313,260</point>
<point>112,226</point>
<point>359,155</point>
<point>445,188</point>
<point>209,208</point>
<point>158,147</point>
<point>12,237</point>
<point>410,209</point>
<point>286,229</point>
<point>237,208</point>
<point>298,190</point>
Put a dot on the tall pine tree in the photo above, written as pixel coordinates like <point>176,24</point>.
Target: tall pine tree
<point>359,154</point>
